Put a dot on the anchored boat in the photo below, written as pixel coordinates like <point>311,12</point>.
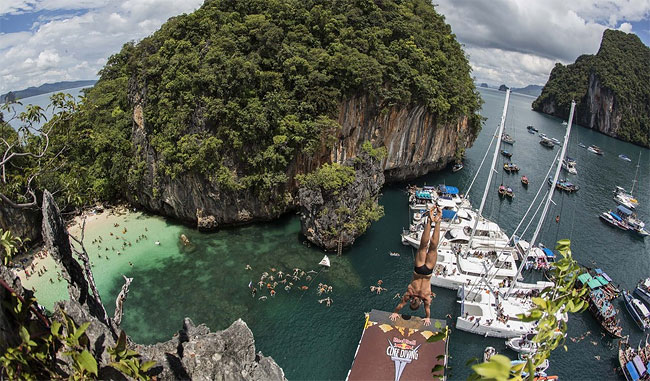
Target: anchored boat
<point>637,310</point>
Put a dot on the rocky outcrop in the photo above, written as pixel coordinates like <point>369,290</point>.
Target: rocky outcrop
<point>23,223</point>
<point>331,216</point>
<point>611,88</point>
<point>417,142</point>
<point>10,283</point>
<point>198,354</point>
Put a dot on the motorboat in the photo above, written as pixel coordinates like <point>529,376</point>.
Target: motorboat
<point>626,200</point>
<point>531,128</point>
<point>394,254</point>
<point>547,143</point>
<point>523,344</point>
<point>565,123</point>
<point>537,258</point>
<point>506,153</point>
<point>624,157</point>
<point>637,310</point>
<point>595,149</point>
<point>569,165</point>
<point>539,370</point>
<point>531,132</point>
<point>613,219</point>
<point>581,145</point>
<point>542,135</point>
<point>632,221</point>
<point>565,185</point>
<point>642,291</point>
<point>457,167</point>
<point>507,139</point>
<point>488,353</point>
<point>510,167</point>
<point>556,142</point>
<point>524,180</point>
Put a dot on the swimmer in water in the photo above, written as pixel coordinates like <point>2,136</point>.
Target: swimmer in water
<point>419,290</point>
<point>248,267</point>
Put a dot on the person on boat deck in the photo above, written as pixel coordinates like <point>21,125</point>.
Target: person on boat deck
<point>419,290</point>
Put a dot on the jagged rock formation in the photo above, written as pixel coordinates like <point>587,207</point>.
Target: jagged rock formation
<point>337,203</point>
<point>611,88</point>
<point>198,354</point>
<point>194,353</point>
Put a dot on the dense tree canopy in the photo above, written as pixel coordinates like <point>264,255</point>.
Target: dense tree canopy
<point>622,65</point>
<point>237,90</point>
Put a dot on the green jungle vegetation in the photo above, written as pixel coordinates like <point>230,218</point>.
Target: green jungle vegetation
<point>622,65</point>
<point>237,90</point>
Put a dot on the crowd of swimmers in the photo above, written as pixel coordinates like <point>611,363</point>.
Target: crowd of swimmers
<point>274,278</point>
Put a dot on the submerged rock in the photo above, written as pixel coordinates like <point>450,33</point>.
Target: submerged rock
<point>338,202</point>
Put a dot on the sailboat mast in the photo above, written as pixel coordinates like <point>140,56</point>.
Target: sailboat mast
<point>492,170</point>
<point>550,195</point>
<point>636,174</point>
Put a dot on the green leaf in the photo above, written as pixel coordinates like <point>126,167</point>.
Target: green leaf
<point>437,368</point>
<point>121,342</point>
<point>437,337</point>
<point>55,327</point>
<point>87,362</point>
<point>147,365</point>
<point>497,368</point>
<point>437,324</point>
<point>24,334</point>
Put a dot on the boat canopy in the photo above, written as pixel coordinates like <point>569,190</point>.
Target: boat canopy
<point>639,364</point>
<point>641,307</point>
<point>447,189</point>
<point>632,371</point>
<point>624,210</point>
<point>616,216</point>
<point>424,195</point>
<point>598,271</point>
<point>448,214</point>
<point>602,280</point>
<point>606,277</point>
<point>549,253</point>
<point>593,283</point>
<point>584,278</point>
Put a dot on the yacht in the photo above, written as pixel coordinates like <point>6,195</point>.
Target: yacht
<point>569,165</point>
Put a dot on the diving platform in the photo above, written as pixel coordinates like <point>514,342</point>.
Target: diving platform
<point>399,351</point>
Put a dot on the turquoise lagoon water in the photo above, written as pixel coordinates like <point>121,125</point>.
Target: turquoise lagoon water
<point>208,280</point>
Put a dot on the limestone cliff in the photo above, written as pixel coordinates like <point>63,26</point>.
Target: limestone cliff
<point>612,89</point>
<point>338,202</point>
<point>23,223</point>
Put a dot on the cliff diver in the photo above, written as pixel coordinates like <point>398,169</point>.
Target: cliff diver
<point>419,290</point>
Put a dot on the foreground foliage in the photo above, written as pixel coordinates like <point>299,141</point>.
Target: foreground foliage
<point>551,331</point>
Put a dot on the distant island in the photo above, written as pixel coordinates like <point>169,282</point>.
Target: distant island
<point>13,96</point>
<point>484,85</point>
<point>534,90</point>
<point>503,88</point>
<point>611,88</point>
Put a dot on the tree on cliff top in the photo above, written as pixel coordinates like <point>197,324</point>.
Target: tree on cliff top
<point>622,66</point>
<point>237,90</point>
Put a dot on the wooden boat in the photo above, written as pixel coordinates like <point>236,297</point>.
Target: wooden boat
<point>457,167</point>
<point>547,143</point>
<point>605,313</point>
<point>510,167</point>
<point>506,153</point>
<point>507,139</point>
<point>510,193</point>
<point>564,185</point>
<point>632,360</point>
<point>502,190</point>
<point>524,180</point>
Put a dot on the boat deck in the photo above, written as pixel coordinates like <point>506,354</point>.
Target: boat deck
<point>398,350</point>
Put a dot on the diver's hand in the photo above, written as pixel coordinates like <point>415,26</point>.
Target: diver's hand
<point>394,316</point>
<point>426,321</point>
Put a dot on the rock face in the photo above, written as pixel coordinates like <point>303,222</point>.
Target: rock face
<point>23,223</point>
<point>332,216</point>
<point>196,353</point>
<point>611,88</point>
<point>8,324</point>
<point>416,142</point>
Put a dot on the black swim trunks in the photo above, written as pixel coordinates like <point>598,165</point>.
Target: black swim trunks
<point>423,270</point>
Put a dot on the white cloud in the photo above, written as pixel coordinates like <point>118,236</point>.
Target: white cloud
<point>77,47</point>
<point>517,42</point>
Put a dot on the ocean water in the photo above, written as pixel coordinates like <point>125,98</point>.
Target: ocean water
<point>42,100</point>
<point>208,280</point>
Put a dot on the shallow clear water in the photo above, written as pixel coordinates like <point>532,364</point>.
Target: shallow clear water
<point>208,282</point>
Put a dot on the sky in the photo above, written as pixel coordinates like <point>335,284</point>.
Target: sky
<point>515,42</point>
